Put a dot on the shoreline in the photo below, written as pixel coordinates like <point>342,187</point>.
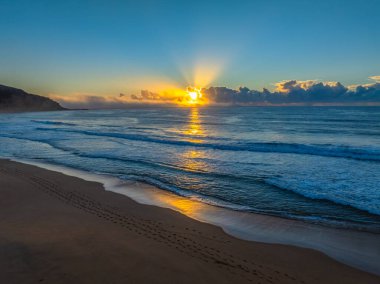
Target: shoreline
<point>357,249</point>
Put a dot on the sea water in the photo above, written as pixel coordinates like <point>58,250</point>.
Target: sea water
<point>316,164</point>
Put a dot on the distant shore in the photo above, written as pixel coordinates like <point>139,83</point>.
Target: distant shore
<point>61,229</point>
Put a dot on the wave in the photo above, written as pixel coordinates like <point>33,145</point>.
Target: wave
<point>50,122</point>
<point>188,194</point>
<point>215,201</point>
<point>219,202</point>
<point>370,208</point>
<point>145,163</point>
<point>326,150</point>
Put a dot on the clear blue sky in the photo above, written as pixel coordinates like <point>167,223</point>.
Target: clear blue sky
<point>108,47</point>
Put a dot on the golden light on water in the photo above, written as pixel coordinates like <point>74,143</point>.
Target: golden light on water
<point>194,130</point>
<point>186,206</point>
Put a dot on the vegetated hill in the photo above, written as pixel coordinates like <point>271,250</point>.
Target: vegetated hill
<point>17,100</point>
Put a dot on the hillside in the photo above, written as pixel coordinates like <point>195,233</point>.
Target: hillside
<point>17,100</point>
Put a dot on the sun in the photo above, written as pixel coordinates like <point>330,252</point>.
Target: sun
<point>191,96</point>
<point>194,95</point>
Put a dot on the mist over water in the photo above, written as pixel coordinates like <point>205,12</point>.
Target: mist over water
<point>318,164</point>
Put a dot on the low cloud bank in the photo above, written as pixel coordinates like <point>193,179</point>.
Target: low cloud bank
<point>298,92</point>
<point>85,101</point>
<point>288,92</point>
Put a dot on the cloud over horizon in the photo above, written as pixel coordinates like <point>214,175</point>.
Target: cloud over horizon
<point>286,92</point>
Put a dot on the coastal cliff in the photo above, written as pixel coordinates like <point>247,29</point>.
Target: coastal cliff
<point>17,100</point>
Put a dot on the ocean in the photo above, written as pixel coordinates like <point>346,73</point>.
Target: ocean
<point>315,164</point>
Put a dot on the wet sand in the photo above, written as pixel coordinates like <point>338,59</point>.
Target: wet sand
<point>62,229</point>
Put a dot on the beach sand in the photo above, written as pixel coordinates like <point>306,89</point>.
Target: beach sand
<point>61,229</point>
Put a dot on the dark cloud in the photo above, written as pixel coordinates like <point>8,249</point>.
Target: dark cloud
<point>297,92</point>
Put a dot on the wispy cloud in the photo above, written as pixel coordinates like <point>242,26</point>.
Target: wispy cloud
<point>88,101</point>
<point>375,78</point>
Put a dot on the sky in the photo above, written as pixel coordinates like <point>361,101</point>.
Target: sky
<point>74,49</point>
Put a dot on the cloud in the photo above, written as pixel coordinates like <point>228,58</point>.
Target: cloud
<point>310,92</point>
<point>89,101</point>
<point>375,78</point>
<point>145,97</point>
<point>287,86</point>
<point>287,92</point>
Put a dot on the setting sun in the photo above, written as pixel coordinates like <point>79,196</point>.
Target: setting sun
<point>194,95</point>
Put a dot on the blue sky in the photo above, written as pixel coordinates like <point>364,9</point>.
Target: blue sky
<point>107,47</point>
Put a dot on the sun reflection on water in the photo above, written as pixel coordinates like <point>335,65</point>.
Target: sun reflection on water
<point>192,159</point>
<point>183,205</point>
<point>194,126</point>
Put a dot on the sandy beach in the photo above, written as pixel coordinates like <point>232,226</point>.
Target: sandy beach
<point>61,229</point>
